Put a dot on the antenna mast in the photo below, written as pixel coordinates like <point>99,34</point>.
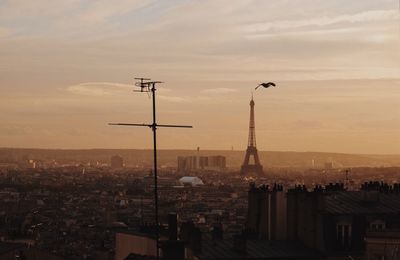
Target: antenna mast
<point>148,86</point>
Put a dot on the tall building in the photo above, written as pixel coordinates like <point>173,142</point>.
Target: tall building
<point>266,215</point>
<point>117,162</point>
<point>191,163</point>
<point>257,211</point>
<point>187,163</point>
<point>328,165</point>
<point>216,162</point>
<point>251,151</point>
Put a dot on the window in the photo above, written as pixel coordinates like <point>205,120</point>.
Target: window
<point>343,232</point>
<point>377,225</point>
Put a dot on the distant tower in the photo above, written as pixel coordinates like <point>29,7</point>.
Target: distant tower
<point>198,158</point>
<point>251,148</point>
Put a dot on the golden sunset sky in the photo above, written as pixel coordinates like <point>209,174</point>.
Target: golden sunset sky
<point>67,69</point>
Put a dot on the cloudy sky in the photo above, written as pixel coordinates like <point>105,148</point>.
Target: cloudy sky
<point>67,69</point>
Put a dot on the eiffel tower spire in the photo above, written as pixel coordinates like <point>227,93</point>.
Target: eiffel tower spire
<point>251,151</point>
<point>252,127</point>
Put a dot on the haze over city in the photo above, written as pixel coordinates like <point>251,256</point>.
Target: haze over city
<point>200,130</point>
<point>67,70</point>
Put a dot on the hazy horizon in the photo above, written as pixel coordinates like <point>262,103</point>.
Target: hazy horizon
<point>193,150</point>
<point>68,67</point>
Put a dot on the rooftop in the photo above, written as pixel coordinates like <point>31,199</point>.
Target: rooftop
<point>362,202</point>
<point>255,249</point>
<point>7,247</point>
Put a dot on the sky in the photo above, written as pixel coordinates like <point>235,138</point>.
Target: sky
<point>67,69</point>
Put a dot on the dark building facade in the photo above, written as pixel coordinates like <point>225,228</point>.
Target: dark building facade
<point>382,244</point>
<point>267,212</point>
<point>336,222</point>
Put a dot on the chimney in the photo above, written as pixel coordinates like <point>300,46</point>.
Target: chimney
<point>172,226</point>
<point>198,158</point>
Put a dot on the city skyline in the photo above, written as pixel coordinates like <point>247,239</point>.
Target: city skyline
<point>68,70</point>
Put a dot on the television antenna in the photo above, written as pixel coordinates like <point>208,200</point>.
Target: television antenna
<point>148,86</point>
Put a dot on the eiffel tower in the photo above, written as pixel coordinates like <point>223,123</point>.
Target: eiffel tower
<point>251,148</point>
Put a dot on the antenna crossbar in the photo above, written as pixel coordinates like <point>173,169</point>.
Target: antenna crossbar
<point>151,125</point>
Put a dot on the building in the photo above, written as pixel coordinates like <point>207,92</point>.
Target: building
<point>12,251</point>
<point>215,246</point>
<point>143,245</point>
<point>9,251</point>
<point>217,162</point>
<point>117,162</point>
<point>237,248</point>
<point>267,213</point>
<point>328,165</point>
<point>257,212</point>
<point>337,222</point>
<point>187,163</point>
<point>382,243</point>
<point>193,163</point>
<point>192,181</point>
<point>130,242</point>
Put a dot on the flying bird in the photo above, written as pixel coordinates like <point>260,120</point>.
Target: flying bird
<point>266,85</point>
